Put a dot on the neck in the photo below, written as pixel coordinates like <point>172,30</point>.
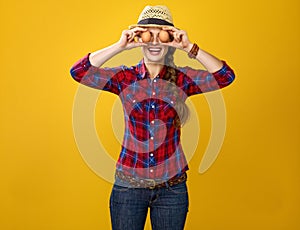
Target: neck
<point>153,68</point>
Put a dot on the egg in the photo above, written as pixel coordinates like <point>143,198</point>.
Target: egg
<point>164,36</point>
<point>146,36</point>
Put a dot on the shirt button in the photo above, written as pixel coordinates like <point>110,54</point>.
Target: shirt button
<point>151,138</point>
<point>151,170</point>
<point>152,106</point>
<point>172,102</point>
<point>151,154</point>
<point>133,101</point>
<point>152,122</point>
<point>154,80</point>
<point>153,93</point>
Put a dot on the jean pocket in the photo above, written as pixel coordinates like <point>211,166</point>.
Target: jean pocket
<point>180,188</point>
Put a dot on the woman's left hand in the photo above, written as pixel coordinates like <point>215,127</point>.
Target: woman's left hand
<point>180,38</point>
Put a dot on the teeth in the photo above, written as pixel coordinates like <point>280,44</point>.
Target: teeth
<point>154,49</point>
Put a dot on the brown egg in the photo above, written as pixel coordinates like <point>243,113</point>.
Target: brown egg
<point>146,36</point>
<point>164,36</point>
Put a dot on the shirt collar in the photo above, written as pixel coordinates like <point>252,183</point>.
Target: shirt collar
<point>142,70</point>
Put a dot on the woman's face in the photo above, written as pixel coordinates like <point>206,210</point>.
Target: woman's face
<point>155,51</point>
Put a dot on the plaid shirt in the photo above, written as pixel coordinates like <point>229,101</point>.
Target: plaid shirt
<point>151,145</point>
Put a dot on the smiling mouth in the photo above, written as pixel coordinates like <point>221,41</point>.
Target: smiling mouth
<point>154,50</point>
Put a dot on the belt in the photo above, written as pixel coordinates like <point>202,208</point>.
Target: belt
<point>150,183</point>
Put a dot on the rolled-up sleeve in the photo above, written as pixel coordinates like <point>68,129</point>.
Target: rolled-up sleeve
<point>99,78</point>
<point>202,81</point>
<point>225,76</point>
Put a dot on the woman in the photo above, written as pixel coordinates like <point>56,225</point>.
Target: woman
<point>151,169</point>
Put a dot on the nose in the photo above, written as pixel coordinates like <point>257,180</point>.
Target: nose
<point>155,39</point>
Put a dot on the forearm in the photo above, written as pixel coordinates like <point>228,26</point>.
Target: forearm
<point>126,42</point>
<point>99,57</point>
<point>210,62</point>
<point>218,73</point>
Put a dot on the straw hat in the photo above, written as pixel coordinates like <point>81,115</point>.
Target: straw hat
<point>154,16</point>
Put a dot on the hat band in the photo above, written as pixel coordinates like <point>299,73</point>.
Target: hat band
<point>154,21</point>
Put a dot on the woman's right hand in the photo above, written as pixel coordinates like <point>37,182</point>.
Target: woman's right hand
<point>128,41</point>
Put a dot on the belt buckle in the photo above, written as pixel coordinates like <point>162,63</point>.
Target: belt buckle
<point>151,181</point>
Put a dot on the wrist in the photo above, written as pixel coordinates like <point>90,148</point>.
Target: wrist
<point>188,47</point>
<point>193,52</point>
<point>119,46</point>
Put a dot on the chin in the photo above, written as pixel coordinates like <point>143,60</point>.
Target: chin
<point>155,60</point>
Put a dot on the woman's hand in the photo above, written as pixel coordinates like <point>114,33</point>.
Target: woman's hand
<point>128,41</point>
<point>180,39</point>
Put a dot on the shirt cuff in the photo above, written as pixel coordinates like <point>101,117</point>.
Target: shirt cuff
<point>85,62</point>
<point>221,71</point>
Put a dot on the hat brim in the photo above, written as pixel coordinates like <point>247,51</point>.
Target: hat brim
<point>150,25</point>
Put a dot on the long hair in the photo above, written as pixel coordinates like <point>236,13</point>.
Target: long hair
<point>171,76</point>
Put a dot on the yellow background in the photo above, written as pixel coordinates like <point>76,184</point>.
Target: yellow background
<point>254,184</point>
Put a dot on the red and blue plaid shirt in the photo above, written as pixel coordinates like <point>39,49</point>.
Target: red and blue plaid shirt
<point>151,145</point>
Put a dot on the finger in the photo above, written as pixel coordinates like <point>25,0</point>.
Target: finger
<point>180,35</point>
<point>127,33</point>
<point>176,36</point>
<point>139,29</point>
<point>140,44</point>
<point>135,44</point>
<point>169,28</point>
<point>134,36</point>
<point>173,44</point>
<point>131,38</point>
<point>170,44</point>
<point>135,32</point>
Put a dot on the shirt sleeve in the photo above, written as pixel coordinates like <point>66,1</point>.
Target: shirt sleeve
<point>99,78</point>
<point>202,81</point>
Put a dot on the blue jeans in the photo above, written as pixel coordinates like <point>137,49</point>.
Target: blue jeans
<point>168,207</point>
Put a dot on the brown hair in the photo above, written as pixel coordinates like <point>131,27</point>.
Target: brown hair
<point>171,76</point>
